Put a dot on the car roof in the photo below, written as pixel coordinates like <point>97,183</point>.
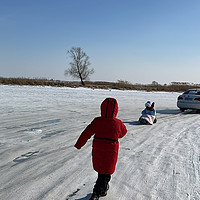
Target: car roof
<point>197,89</point>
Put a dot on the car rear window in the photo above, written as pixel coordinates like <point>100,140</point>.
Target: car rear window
<point>196,92</point>
<point>193,92</point>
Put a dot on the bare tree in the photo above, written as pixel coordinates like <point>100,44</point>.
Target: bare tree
<point>79,65</point>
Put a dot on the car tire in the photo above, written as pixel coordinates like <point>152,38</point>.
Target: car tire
<point>182,109</point>
<point>198,111</point>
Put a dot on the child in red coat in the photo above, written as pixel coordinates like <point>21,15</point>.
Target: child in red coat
<point>106,129</point>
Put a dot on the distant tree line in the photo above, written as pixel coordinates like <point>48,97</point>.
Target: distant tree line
<point>119,85</point>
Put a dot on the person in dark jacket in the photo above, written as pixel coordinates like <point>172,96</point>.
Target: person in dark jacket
<point>106,129</point>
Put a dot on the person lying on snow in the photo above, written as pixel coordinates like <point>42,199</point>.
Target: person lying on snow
<point>106,129</point>
<point>148,114</point>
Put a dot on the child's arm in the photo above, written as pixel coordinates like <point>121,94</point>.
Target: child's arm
<point>123,130</point>
<point>144,111</point>
<point>85,135</point>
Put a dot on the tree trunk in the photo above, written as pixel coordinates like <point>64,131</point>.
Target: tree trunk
<point>82,83</point>
<point>82,80</point>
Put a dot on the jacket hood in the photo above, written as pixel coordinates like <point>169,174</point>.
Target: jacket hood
<point>109,108</point>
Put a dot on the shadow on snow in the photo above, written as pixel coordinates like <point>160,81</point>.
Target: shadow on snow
<point>168,112</point>
<point>86,197</point>
<point>132,123</point>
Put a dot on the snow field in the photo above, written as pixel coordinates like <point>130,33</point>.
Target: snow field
<point>40,125</point>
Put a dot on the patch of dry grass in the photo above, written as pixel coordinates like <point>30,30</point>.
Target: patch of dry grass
<point>120,85</point>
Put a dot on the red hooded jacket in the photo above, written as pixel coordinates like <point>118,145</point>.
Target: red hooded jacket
<point>106,129</point>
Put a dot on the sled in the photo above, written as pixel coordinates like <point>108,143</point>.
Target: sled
<point>147,119</point>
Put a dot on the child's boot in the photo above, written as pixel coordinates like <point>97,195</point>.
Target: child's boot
<point>94,196</point>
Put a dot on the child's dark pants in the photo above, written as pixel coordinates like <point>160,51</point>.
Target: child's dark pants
<point>101,185</point>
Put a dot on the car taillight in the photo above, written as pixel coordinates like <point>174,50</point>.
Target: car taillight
<point>180,98</point>
<point>197,99</point>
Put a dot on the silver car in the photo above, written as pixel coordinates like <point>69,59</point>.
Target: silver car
<point>190,99</point>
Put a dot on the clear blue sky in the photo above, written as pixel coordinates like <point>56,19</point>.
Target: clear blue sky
<point>134,40</point>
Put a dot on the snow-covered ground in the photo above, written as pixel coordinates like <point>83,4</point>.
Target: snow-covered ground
<point>40,125</point>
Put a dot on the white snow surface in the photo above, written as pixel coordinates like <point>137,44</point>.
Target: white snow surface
<point>40,125</point>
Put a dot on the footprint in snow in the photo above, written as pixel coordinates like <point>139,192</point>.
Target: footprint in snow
<point>25,157</point>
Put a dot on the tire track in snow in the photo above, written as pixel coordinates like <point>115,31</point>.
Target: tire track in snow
<point>153,157</point>
<point>174,158</point>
